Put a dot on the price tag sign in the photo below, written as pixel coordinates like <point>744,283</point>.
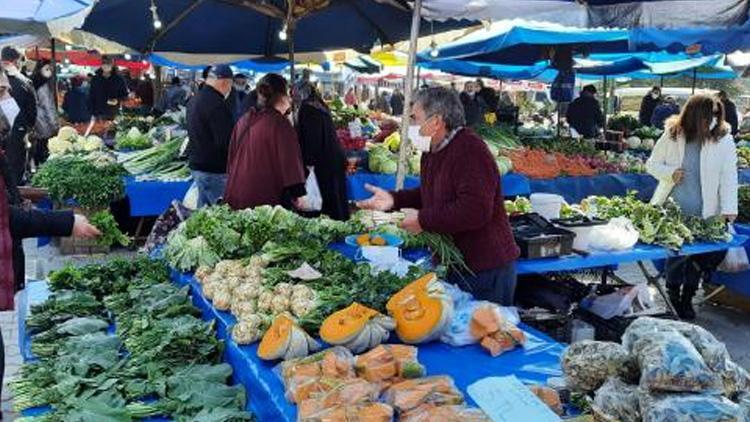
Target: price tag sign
<point>506,399</point>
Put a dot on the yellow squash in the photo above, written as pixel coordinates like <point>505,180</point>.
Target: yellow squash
<point>285,340</point>
<point>356,327</point>
<point>422,310</point>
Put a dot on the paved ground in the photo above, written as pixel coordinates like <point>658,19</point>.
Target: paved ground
<point>728,325</point>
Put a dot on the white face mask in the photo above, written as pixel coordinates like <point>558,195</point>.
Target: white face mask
<point>11,69</point>
<point>10,108</point>
<point>420,142</point>
<point>654,95</point>
<point>713,124</point>
<point>47,73</point>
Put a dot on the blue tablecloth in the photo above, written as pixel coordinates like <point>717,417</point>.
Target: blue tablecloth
<point>575,189</point>
<point>151,198</point>
<point>737,282</point>
<point>744,176</point>
<point>539,360</point>
<point>513,184</point>
<point>604,259</point>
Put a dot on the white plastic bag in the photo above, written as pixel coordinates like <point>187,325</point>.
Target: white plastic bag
<point>619,234</point>
<point>190,200</point>
<point>614,304</point>
<point>736,260</point>
<point>313,201</point>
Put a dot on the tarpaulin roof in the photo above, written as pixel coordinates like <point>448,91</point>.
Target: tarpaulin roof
<point>232,27</point>
<point>666,14</point>
<point>363,64</point>
<point>41,17</point>
<point>487,70</point>
<point>261,65</point>
<point>518,42</point>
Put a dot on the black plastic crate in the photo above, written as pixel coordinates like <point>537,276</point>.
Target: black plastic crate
<point>538,238</point>
<point>555,325</point>
<point>555,293</point>
<point>579,221</point>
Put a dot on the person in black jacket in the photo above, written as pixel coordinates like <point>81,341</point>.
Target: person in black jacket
<point>322,150</point>
<point>209,124</point>
<point>24,95</point>
<point>474,106</point>
<point>76,104</point>
<point>585,113</point>
<point>108,89</point>
<point>648,105</point>
<point>489,96</point>
<point>397,103</point>
<point>730,112</point>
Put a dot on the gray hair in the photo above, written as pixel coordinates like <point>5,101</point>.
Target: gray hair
<point>443,102</point>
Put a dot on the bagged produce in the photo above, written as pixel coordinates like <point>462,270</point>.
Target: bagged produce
<point>454,413</point>
<point>587,364</point>
<point>548,396</point>
<point>316,373</point>
<point>617,401</point>
<point>371,412</point>
<point>389,363</point>
<point>690,408</point>
<point>408,396</point>
<point>348,392</point>
<point>735,379</point>
<point>475,320</point>
<point>669,362</point>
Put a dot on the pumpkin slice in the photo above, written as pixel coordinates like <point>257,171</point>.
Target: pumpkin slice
<point>356,327</point>
<point>388,362</point>
<point>409,395</point>
<point>454,413</point>
<point>422,310</point>
<point>336,362</point>
<point>285,339</point>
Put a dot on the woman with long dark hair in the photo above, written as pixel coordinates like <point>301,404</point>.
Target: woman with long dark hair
<point>322,151</point>
<point>695,162</point>
<point>265,161</point>
<point>46,110</point>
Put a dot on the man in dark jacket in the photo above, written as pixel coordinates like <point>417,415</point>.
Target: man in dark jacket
<point>585,113</point>
<point>474,106</point>
<point>108,89</point>
<point>648,104</point>
<point>397,103</point>
<point>664,111</point>
<point>210,124</point>
<point>489,96</point>
<point>23,93</point>
<point>76,104</point>
<point>730,111</point>
<point>460,196</point>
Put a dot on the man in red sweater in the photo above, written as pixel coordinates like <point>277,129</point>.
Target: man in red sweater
<point>459,196</point>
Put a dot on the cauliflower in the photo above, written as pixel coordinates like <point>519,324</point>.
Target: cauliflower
<point>243,308</point>
<point>283,289</point>
<point>92,143</point>
<point>265,301</point>
<point>222,300</point>
<point>302,292</point>
<point>58,146</point>
<point>133,133</point>
<point>258,261</point>
<point>232,282</point>
<point>67,133</point>
<point>300,308</point>
<point>247,291</point>
<point>203,273</point>
<point>209,289</point>
<point>244,332</point>
<point>279,304</point>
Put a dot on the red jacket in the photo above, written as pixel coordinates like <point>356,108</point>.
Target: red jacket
<point>460,196</point>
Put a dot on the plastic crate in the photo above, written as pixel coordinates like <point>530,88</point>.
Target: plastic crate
<point>555,325</point>
<point>556,293</point>
<point>538,238</point>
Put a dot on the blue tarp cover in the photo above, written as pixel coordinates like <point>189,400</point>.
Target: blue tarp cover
<point>261,65</point>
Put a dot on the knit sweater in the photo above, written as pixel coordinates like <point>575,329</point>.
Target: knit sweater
<point>460,196</point>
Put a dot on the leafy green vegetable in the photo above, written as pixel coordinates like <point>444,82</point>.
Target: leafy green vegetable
<point>158,162</point>
<point>744,204</point>
<point>111,234</point>
<point>91,185</point>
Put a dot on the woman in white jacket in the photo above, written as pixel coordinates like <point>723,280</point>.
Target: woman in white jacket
<point>695,162</point>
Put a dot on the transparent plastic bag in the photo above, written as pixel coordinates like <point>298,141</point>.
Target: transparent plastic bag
<point>460,334</point>
<point>736,380</point>
<point>370,412</point>
<point>587,364</point>
<point>617,401</point>
<point>445,413</point>
<point>736,259</point>
<point>409,395</point>
<point>670,363</point>
<point>691,408</point>
<point>389,363</point>
<point>317,373</point>
<point>348,392</point>
<point>548,396</point>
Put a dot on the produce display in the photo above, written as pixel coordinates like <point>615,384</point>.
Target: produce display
<point>743,157</point>
<point>743,194</point>
<point>111,234</point>
<point>356,327</point>
<point>133,139</point>
<point>68,141</point>
<point>624,123</point>
<point>160,360</point>
<point>159,162</point>
<point>664,371</point>
<point>91,181</point>
<point>422,310</point>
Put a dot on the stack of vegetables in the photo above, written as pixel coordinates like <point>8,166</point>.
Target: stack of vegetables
<point>132,140</point>
<point>159,162</point>
<point>162,359</point>
<point>377,386</point>
<point>68,141</point>
<point>350,143</point>
<point>383,158</point>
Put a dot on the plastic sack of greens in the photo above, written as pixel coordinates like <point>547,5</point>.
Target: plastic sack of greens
<point>587,364</point>
<point>617,401</point>
<point>669,362</point>
<point>735,379</point>
<point>691,408</point>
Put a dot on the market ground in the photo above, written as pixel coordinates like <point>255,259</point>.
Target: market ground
<point>730,325</point>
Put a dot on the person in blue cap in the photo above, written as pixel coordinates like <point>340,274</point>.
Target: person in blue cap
<point>210,124</point>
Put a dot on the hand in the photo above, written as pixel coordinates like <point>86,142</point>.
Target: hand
<point>82,228</point>
<point>677,176</point>
<point>411,222</point>
<point>381,200</point>
<point>729,218</point>
<point>299,203</point>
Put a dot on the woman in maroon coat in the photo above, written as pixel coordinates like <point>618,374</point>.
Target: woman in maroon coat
<point>459,196</point>
<point>265,161</point>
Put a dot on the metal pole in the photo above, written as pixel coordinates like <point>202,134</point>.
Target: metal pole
<point>290,38</point>
<point>695,76</point>
<point>53,65</point>
<point>661,82</point>
<point>606,104</point>
<point>408,86</point>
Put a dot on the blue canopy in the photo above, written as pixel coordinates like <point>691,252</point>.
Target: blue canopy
<point>487,70</point>
<point>33,16</point>
<point>519,42</point>
<point>230,27</point>
<point>364,64</point>
<point>260,65</point>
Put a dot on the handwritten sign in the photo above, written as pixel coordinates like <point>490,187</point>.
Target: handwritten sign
<point>506,399</point>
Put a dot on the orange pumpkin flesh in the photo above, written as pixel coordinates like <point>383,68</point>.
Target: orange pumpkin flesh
<point>418,309</point>
<point>344,325</point>
<point>276,340</point>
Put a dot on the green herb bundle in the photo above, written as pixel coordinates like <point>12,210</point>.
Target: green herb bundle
<point>90,184</point>
<point>111,234</point>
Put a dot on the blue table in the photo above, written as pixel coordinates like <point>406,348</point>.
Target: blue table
<point>737,282</point>
<point>744,176</point>
<point>575,189</point>
<point>512,184</point>
<point>151,198</point>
